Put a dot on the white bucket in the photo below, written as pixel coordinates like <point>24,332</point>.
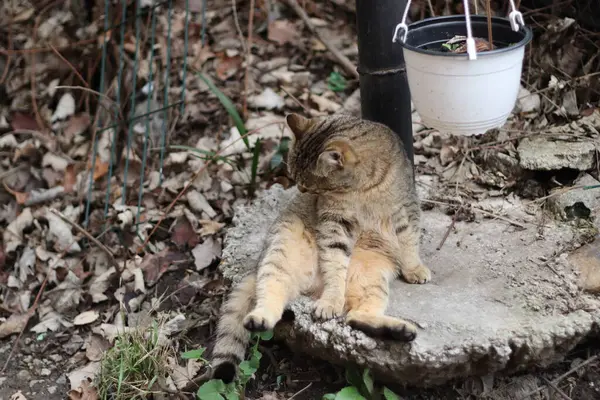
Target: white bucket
<point>454,94</point>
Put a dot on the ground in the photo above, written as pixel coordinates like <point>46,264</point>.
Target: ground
<point>68,284</point>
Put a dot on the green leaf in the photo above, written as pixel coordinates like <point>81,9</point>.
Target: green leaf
<point>389,395</point>
<point>193,354</point>
<point>247,369</point>
<point>353,377</point>
<point>336,82</point>
<point>211,390</point>
<point>232,396</point>
<point>349,393</point>
<point>266,336</point>
<point>229,106</point>
<point>328,396</point>
<point>368,380</point>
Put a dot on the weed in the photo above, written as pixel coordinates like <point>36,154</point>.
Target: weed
<point>133,367</point>
<point>216,389</point>
<point>361,388</point>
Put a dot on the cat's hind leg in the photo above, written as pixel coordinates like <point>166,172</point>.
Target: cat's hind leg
<point>367,293</point>
<point>288,267</point>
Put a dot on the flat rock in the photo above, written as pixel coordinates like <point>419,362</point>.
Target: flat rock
<point>549,154</point>
<point>502,298</point>
<point>577,202</point>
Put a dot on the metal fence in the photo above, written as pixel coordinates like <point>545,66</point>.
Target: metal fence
<point>136,102</point>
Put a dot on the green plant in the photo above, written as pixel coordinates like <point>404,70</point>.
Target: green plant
<point>361,387</point>
<point>279,155</point>
<point>336,82</point>
<point>229,107</point>
<point>216,389</point>
<point>132,367</point>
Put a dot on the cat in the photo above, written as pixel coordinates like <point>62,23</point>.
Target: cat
<point>351,227</point>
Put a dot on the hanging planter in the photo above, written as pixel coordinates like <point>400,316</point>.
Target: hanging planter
<point>457,84</point>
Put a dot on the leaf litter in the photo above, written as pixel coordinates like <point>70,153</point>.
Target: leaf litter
<point>171,276</point>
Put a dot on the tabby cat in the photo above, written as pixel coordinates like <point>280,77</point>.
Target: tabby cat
<point>353,225</point>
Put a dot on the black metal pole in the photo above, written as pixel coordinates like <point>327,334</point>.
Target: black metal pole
<point>384,93</point>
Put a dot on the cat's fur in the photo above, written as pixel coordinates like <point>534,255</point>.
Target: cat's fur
<point>352,228</point>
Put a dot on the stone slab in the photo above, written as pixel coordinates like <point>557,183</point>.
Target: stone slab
<point>502,298</point>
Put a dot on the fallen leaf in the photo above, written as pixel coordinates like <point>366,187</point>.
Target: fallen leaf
<point>198,202</point>
<point>70,178</point>
<point>210,227</point>
<point>154,266</point>
<point>14,324</point>
<point>268,99</point>
<point>282,31</point>
<point>183,233</point>
<point>86,317</point>
<point>205,253</point>
<point>227,66</point>
<point>76,126</point>
<point>64,109</point>
<point>100,169</point>
<point>18,396</point>
<point>82,374</point>
<point>61,232</point>
<point>22,121</point>
<point>95,347</point>
<point>13,234</point>
<point>85,391</point>
<point>182,375</point>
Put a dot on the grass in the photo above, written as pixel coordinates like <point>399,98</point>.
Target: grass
<point>133,368</point>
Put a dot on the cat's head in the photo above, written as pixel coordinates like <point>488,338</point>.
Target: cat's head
<point>332,153</point>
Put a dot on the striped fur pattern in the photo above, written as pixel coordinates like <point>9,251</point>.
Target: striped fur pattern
<point>351,229</point>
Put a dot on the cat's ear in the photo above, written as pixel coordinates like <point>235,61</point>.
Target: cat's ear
<point>297,124</point>
<point>337,156</point>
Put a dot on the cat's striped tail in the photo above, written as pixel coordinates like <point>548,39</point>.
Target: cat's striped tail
<point>232,338</point>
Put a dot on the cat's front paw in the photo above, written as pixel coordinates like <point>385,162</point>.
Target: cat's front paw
<point>257,321</point>
<point>327,309</point>
<point>420,274</point>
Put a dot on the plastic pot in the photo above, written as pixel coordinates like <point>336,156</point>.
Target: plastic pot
<point>454,94</point>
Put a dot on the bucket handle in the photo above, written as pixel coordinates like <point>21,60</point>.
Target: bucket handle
<point>471,50</point>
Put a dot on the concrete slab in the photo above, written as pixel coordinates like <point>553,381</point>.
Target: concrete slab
<point>502,298</point>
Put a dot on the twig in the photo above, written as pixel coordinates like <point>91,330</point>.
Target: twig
<point>454,218</point>
<point>556,388</point>
<point>88,235</point>
<point>301,391</point>
<point>488,10</point>
<point>295,100</point>
<point>560,378</point>
<point>248,57</point>
<point>348,66</point>
<point>46,49</point>
<point>8,58</point>
<point>510,221</point>
<point>70,66</point>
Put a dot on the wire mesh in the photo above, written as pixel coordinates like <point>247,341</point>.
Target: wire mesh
<point>127,22</point>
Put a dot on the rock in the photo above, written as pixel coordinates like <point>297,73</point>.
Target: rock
<point>547,154</point>
<point>500,300</point>
<point>587,260</point>
<point>577,203</point>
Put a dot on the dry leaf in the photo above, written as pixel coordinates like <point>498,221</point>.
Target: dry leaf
<point>12,236</point>
<point>205,253</point>
<point>184,234</point>
<point>210,227</point>
<point>18,396</point>
<point>227,66</point>
<point>282,31</point>
<point>95,347</point>
<point>86,317</point>
<point>61,231</point>
<point>65,108</point>
<point>70,178</point>
<point>89,371</point>
<point>77,125</point>
<point>14,324</point>
<point>84,392</point>
<point>100,169</point>
<point>22,121</point>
